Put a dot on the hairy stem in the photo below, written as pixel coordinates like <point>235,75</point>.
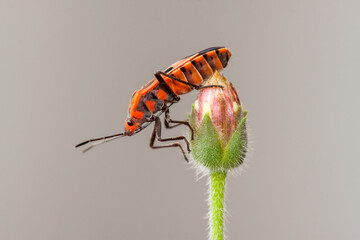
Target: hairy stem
<point>217,192</point>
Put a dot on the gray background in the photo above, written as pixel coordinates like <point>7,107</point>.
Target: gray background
<point>68,69</point>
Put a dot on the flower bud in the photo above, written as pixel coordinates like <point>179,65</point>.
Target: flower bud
<point>218,121</point>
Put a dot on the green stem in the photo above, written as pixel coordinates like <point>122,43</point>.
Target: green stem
<point>217,192</point>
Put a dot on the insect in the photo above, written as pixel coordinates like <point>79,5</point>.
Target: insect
<point>155,97</point>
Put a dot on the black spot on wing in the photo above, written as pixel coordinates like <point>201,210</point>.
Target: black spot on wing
<point>209,61</point>
<point>223,57</point>
<point>183,69</point>
<point>168,69</point>
<point>199,67</point>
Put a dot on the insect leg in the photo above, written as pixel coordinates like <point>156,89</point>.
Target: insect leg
<point>193,86</point>
<point>168,89</point>
<point>168,120</point>
<point>156,134</point>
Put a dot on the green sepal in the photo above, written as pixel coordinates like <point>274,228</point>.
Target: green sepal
<point>245,113</point>
<point>240,114</point>
<point>192,118</point>
<point>206,147</point>
<point>235,151</point>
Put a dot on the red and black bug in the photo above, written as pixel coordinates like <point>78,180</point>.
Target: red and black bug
<point>155,98</point>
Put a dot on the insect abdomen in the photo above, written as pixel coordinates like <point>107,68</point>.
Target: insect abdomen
<point>198,69</point>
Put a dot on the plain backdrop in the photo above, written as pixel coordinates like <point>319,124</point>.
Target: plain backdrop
<point>67,72</point>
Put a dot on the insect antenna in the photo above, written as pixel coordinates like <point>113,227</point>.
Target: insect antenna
<point>97,141</point>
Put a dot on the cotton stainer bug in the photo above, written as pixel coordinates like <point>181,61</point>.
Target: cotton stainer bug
<point>155,98</point>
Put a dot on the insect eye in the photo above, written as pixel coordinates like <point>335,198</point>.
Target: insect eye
<point>129,122</point>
